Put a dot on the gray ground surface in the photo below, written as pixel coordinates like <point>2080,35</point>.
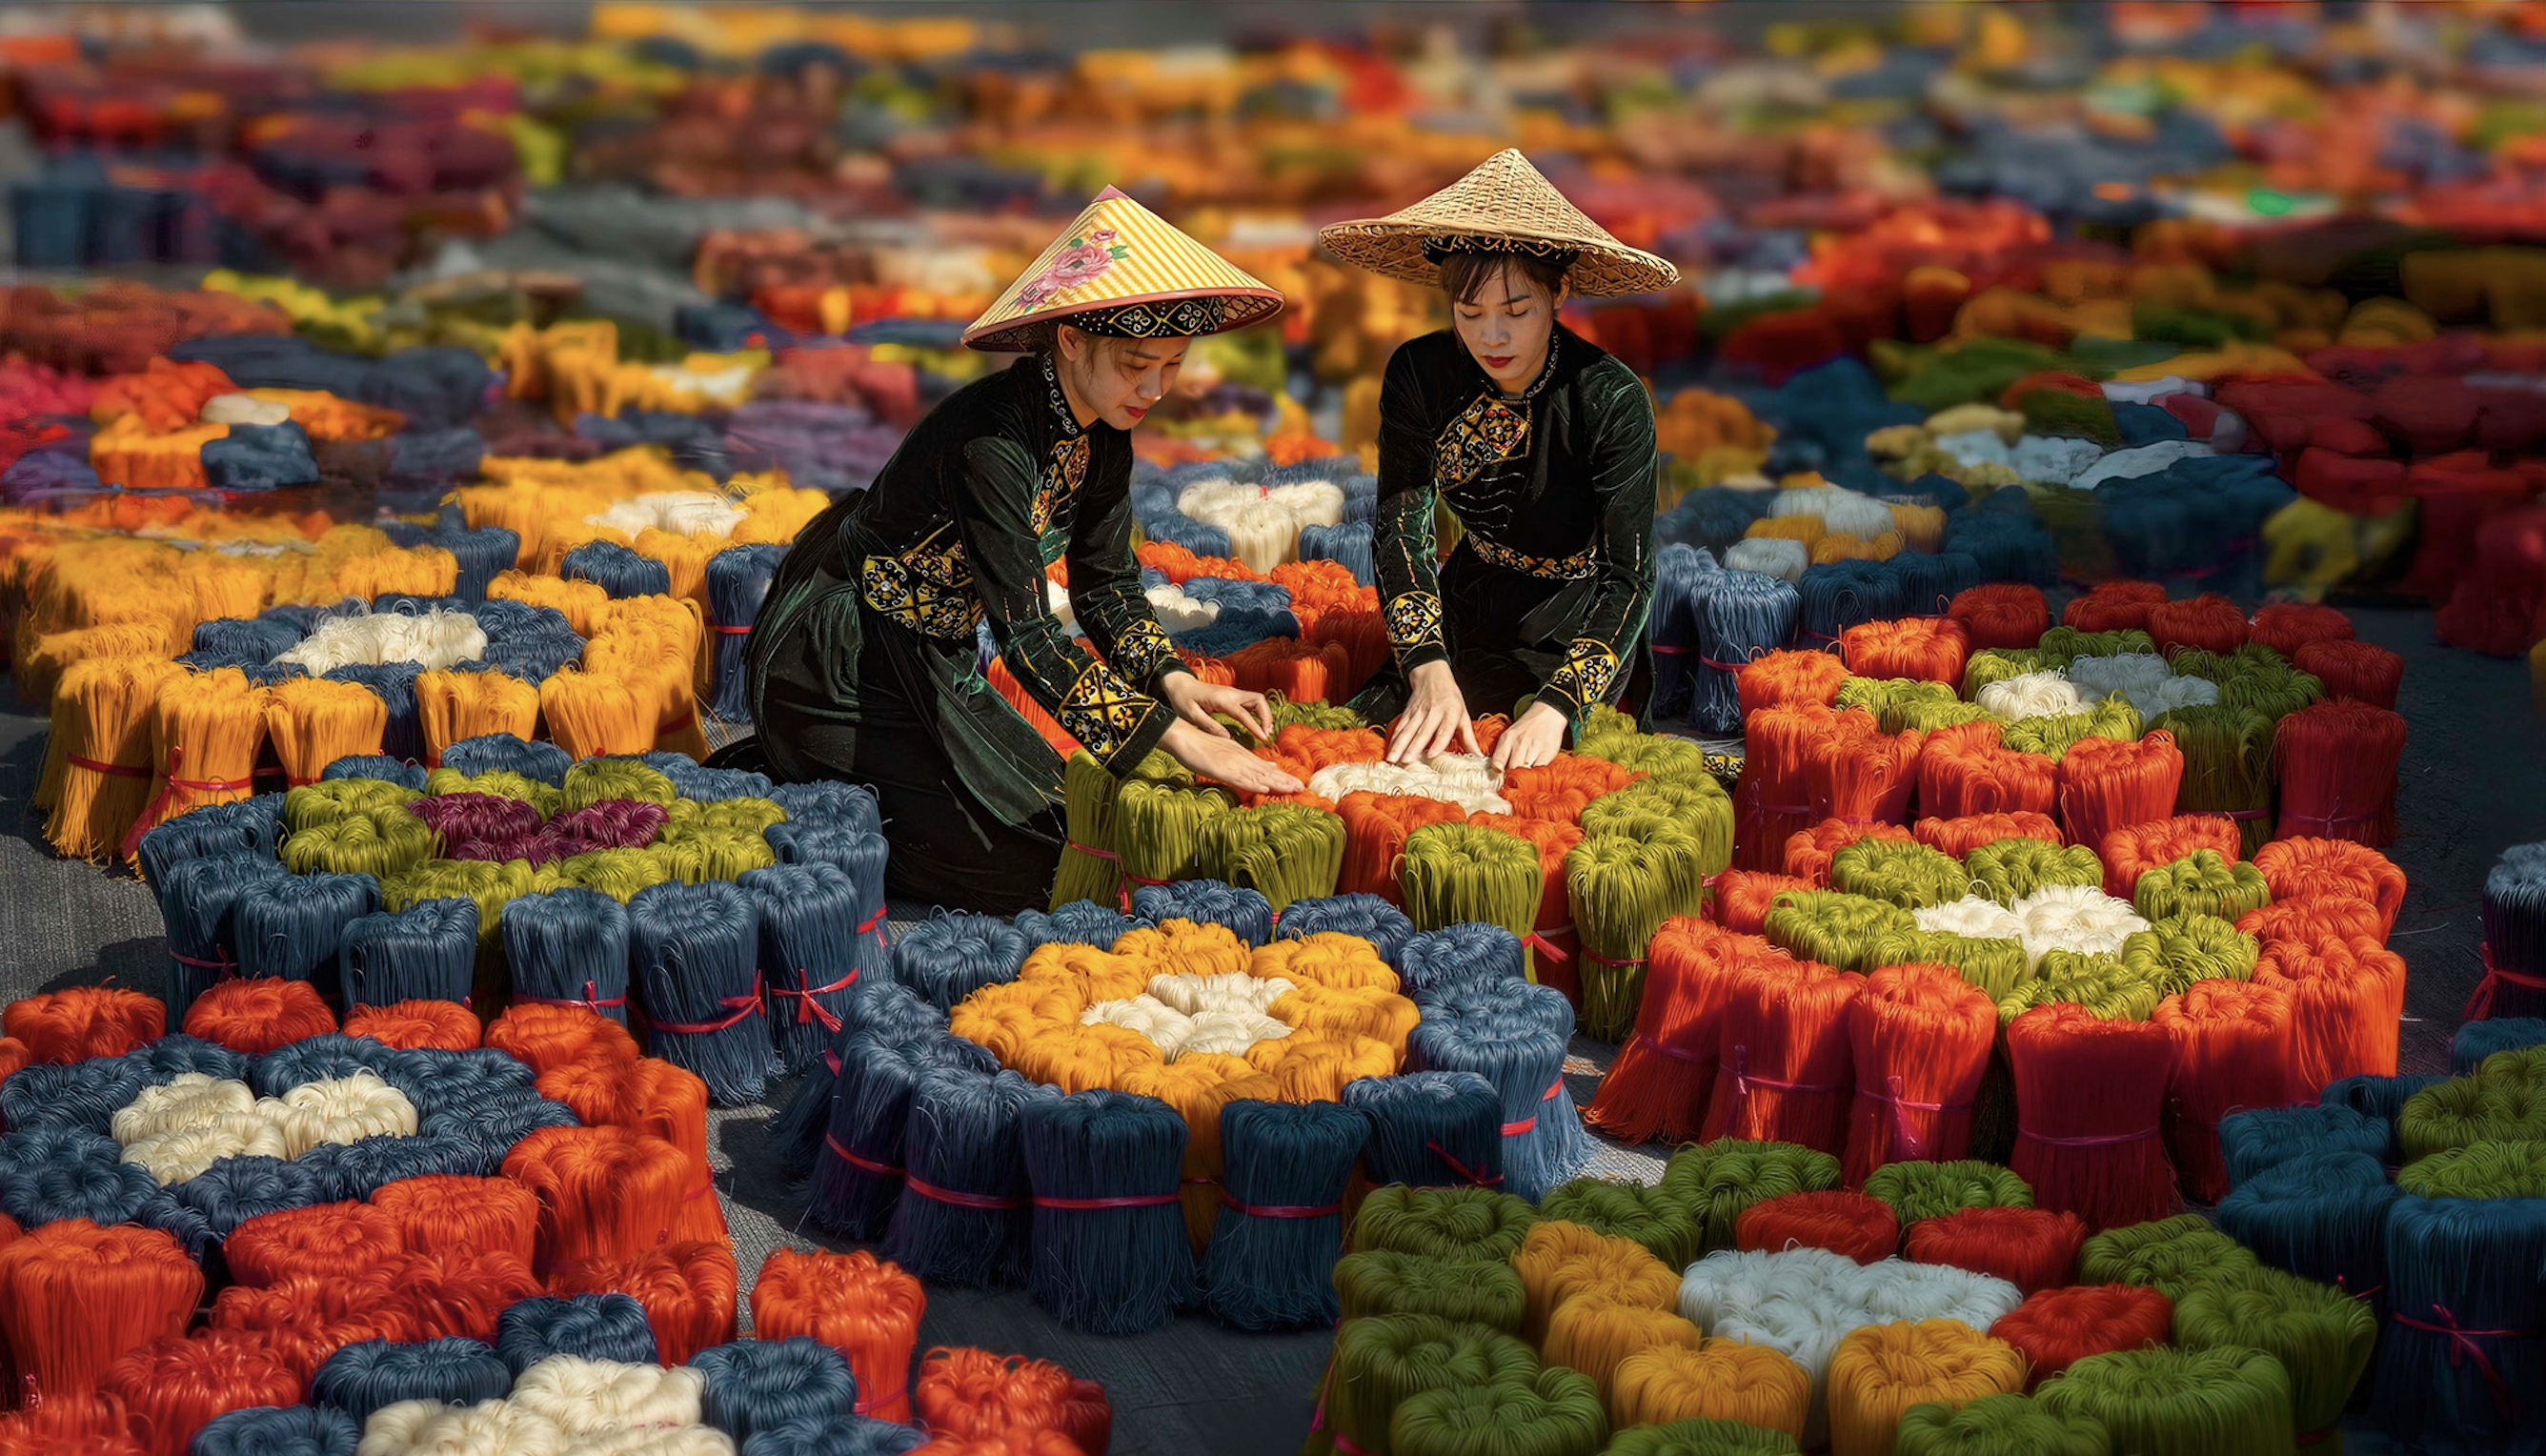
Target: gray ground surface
<point>2474,782</point>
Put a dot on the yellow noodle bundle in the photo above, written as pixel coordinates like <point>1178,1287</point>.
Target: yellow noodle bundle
<point>466,704</point>
<point>315,722</point>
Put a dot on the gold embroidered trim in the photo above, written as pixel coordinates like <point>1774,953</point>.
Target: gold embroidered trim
<point>1413,620</point>
<point>1585,673</point>
<point>1102,711</point>
<point>1558,568</point>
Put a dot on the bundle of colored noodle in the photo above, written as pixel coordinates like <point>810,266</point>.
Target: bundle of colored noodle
<point>1783,1056</point>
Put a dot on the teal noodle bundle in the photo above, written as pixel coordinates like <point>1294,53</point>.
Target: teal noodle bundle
<point>277,1431</point>
<point>1472,1291</point>
<point>965,1213</point>
<point>1208,902</point>
<point>362,1377</point>
<point>2180,1403</point>
<point>755,1385</point>
<point>858,1169</point>
<point>1079,922</point>
<point>951,955</point>
<point>1281,1219</point>
<point>858,1435</point>
<point>1722,1179</point>
<point>2461,1364</point>
<point>234,1190</point>
<point>1109,1252</point>
<point>378,766</point>
<point>1455,873</point>
<point>1435,961</point>
<point>592,1327</point>
<point>1515,1037</point>
<point>1558,1413</point>
<point>2476,1040</point>
<point>2322,1336</point>
<point>1369,916</point>
<point>1622,888</point>
<point>1681,571</point>
<point>1930,1190</point>
<point>1738,616</point>
<point>2008,870</point>
<point>195,903</point>
<point>1901,873</point>
<point>425,952</point>
<point>1999,1426</point>
<point>293,928</point>
<point>1837,595</point>
<point>694,954</point>
<point>2251,1141</point>
<point>568,948</point>
<point>1381,1364</point>
<point>249,828</point>
<point>502,752</point>
<point>616,569</point>
<point>830,803</point>
<point>738,578</point>
<point>2321,1216</point>
<point>1431,1129</point>
<point>820,935</point>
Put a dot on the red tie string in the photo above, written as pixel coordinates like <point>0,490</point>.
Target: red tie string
<point>111,770</point>
<point>1093,1205</point>
<point>1539,942</point>
<point>1460,1168</point>
<point>1683,1053</point>
<point>1230,1201</point>
<point>591,1000</point>
<point>731,631</point>
<point>741,1006</point>
<point>2111,1141</point>
<point>880,1169</point>
<point>1913,1147</point>
<point>158,804</point>
<point>981,1202</point>
<point>809,1009</point>
<point>2463,1347</point>
<point>2478,1006</point>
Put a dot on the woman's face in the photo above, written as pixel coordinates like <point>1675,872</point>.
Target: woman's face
<point>1507,328</point>
<point>1117,380</point>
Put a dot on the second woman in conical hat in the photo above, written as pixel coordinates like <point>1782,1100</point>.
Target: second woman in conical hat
<point>863,660</point>
<point>1538,443</point>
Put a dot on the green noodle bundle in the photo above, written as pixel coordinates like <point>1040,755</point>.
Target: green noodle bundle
<point>2270,691</point>
<point>597,779</point>
<point>1283,851</point>
<point>1658,1218</point>
<point>2062,646</point>
<point>1996,968</point>
<point>547,798</point>
<point>1165,828</point>
<point>1835,928</point>
<point>2165,1402</point>
<point>1622,888</point>
<point>704,854</point>
<point>2008,870</point>
<point>2171,1255</point>
<point>689,817</point>
<point>616,873</point>
<point>1998,664</point>
<point>378,842</point>
<point>1381,1363</point>
<point>1605,730</point>
<point>1472,1291</point>
<point>1442,1222</point>
<point>491,886</point>
<point>1696,806</point>
<point>1091,868</point>
<point>2201,883</point>
<point>1453,874</point>
<point>1931,1190</point>
<point>2466,1110</point>
<point>1557,1413</point>
<point>1926,717</point>
<point>1719,1179</point>
<point>1998,1426</point>
<point>2099,982</point>
<point>2226,766</point>
<point>2482,1169</point>
<point>1898,872</point>
<point>1666,760</point>
<point>2515,1067</point>
<point>2179,950</point>
<point>2053,737</point>
<point>1890,700</point>
<point>2322,1336</point>
<point>1323,715</point>
<point>312,805</point>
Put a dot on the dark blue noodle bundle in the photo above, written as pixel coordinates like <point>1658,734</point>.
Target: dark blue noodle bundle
<point>888,1012</point>
<point>1679,574</point>
<point>362,1377</point>
<point>250,829</point>
<point>502,752</point>
<point>1431,1129</point>
<point>358,1169</point>
<point>568,948</point>
<point>2477,1040</point>
<point>1079,922</point>
<point>2381,1097</point>
<point>829,804</point>
<point>427,952</point>
<point>1272,1254</point>
<point>1108,1253</point>
<point>394,684</point>
<point>236,1189</point>
<point>195,901</point>
<point>2460,1360</point>
<point>617,570</point>
<point>2514,936</point>
<point>176,1054</point>
<point>1839,595</point>
<point>951,955</point>
<point>965,1213</point>
<point>858,1436</point>
<point>1514,1036</point>
<point>752,1385</point>
<point>858,1170</point>
<point>1372,918</point>
<point>84,1095</point>
<point>1929,581</point>
<point>1207,901</point>
<point>378,766</point>
<point>2251,1142</point>
<point>2321,1216</point>
<point>739,578</point>
<point>590,1326</point>
<point>818,938</point>
<point>694,950</point>
<point>1738,616</point>
<point>293,928</point>
<point>62,1171</point>
<point>279,1430</point>
<point>329,1055</point>
<point>1467,954</point>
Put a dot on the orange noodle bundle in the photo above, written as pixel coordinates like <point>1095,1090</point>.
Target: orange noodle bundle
<point>972,1395</point>
<point>2232,1047</point>
<point>1879,1372</point>
<point>541,1036</point>
<point>1922,648</point>
<point>2029,1247</point>
<point>322,1240</point>
<point>2134,849</point>
<point>865,1308</point>
<point>2000,614</point>
<point>174,1385</point>
<point>1593,1334</point>
<point>2362,671</point>
<point>654,1097</point>
<point>2313,920</point>
<point>2089,1097</point>
<point>1861,774</point>
<point>1743,897</point>
<point>689,1291</point>
<point>1960,837</point>
<point>259,1016</point>
<point>1376,829</point>
<point>1782,1057</point>
<point>2346,1003</point>
<point>1564,787</point>
<point>446,1026</point>
<point>605,1193</point>
<point>1859,1225</point>
<point>2289,628</point>
<point>2208,622</point>
<point>1304,672</point>
<point>2336,761</point>
<point>1721,1380</point>
<point>459,1292</point>
<point>1809,852</point>
<point>1658,1084</point>
<point>1791,676</point>
<point>2111,606</point>
<point>87,1423</point>
<point>305,1320</point>
<point>1964,771</point>
<point>315,720</point>
<point>75,1297</point>
<point>1773,800</point>
<point>452,1211</point>
<point>2107,784</point>
<point>1006,1443</point>
<point>1920,1039</point>
<point>78,1022</point>
<point>2305,868</point>
<point>2056,1328</point>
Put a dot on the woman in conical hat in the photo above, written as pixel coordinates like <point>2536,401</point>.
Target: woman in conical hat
<point>1538,443</point>
<point>863,660</point>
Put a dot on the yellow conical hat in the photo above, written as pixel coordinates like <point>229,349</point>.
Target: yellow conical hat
<point>1122,270</point>
<point>1504,204</point>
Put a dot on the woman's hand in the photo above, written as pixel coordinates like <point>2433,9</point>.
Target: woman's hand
<point>1215,755</point>
<point>1435,718</point>
<point>1532,739</point>
<point>1195,700</point>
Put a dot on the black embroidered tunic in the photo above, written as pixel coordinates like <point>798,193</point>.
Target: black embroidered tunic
<point>875,608</point>
<point>1548,589</point>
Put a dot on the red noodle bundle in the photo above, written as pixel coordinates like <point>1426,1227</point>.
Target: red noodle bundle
<point>2346,1001</point>
<point>2134,849</point>
<point>1657,1087</point>
<point>1782,1056</point>
<point>1960,837</point>
<point>2056,1328</point>
<point>689,1291</point>
<point>2000,614</point>
<point>2359,671</point>
<point>2306,869</point>
<point>1857,1225</point>
<point>2336,762</point>
<point>2089,1097</point>
<point>2233,1046</point>
<point>2031,1248</point>
<point>1920,1037</point>
<point>78,1022</point>
<point>865,1308</point>
<point>2107,784</point>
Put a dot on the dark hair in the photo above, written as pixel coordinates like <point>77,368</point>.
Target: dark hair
<point>1463,274</point>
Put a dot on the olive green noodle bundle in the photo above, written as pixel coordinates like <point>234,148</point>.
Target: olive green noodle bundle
<point>2171,1255</point>
<point>2053,737</point>
<point>2466,1110</point>
<point>2158,1401</point>
<point>1622,888</point>
<point>2097,981</point>
<point>1699,1436</point>
<point>1165,828</point>
<point>1558,1412</point>
<point>1719,1179</point>
<point>2226,766</point>
<point>1998,664</point>
<point>616,873</point>
<point>1931,1190</point>
<point>2179,950</point>
<point>1835,928</point>
<point>2218,667</point>
<point>312,805</point>
<point>1379,1364</point>
<point>1668,760</point>
<point>2271,691</point>
<point>1091,865</point>
<point>2008,870</point>
<point>1322,715</point>
<point>1927,716</point>
<point>1472,1291</point>
<point>1898,872</point>
<point>1995,968</point>
<point>1283,851</point>
<point>1452,874</point>
<point>1999,1426</point>
<point>378,842</point>
<point>1441,1223</point>
<point>547,798</point>
<point>597,779</point>
<point>492,885</point>
<point>1605,730</point>
<point>2322,1335</point>
<point>1659,1219</point>
<point>700,855</point>
<point>2062,646</point>
<point>2482,1169</point>
<point>1696,806</point>
<point>747,815</point>
<point>1891,699</point>
<point>2202,883</point>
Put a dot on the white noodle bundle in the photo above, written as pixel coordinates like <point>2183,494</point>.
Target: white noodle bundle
<point>339,1109</point>
<point>182,1153</point>
<point>433,641</point>
<point>1232,990</point>
<point>1263,521</point>
<point>1231,1033</point>
<point>1179,611</point>
<point>1462,779</point>
<point>1842,511</point>
<point>1145,1014</point>
<point>1769,555</point>
<point>2074,917</point>
<point>432,1428</point>
<point>2033,695</point>
<point>681,512</point>
<point>582,1396</point>
<point>244,409</point>
<point>1972,916</point>
<point>191,1099</point>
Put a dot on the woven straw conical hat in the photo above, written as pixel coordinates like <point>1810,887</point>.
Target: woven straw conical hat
<point>1121,268</point>
<point>1504,201</point>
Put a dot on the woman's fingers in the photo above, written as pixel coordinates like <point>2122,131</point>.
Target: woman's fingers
<point>1468,734</point>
